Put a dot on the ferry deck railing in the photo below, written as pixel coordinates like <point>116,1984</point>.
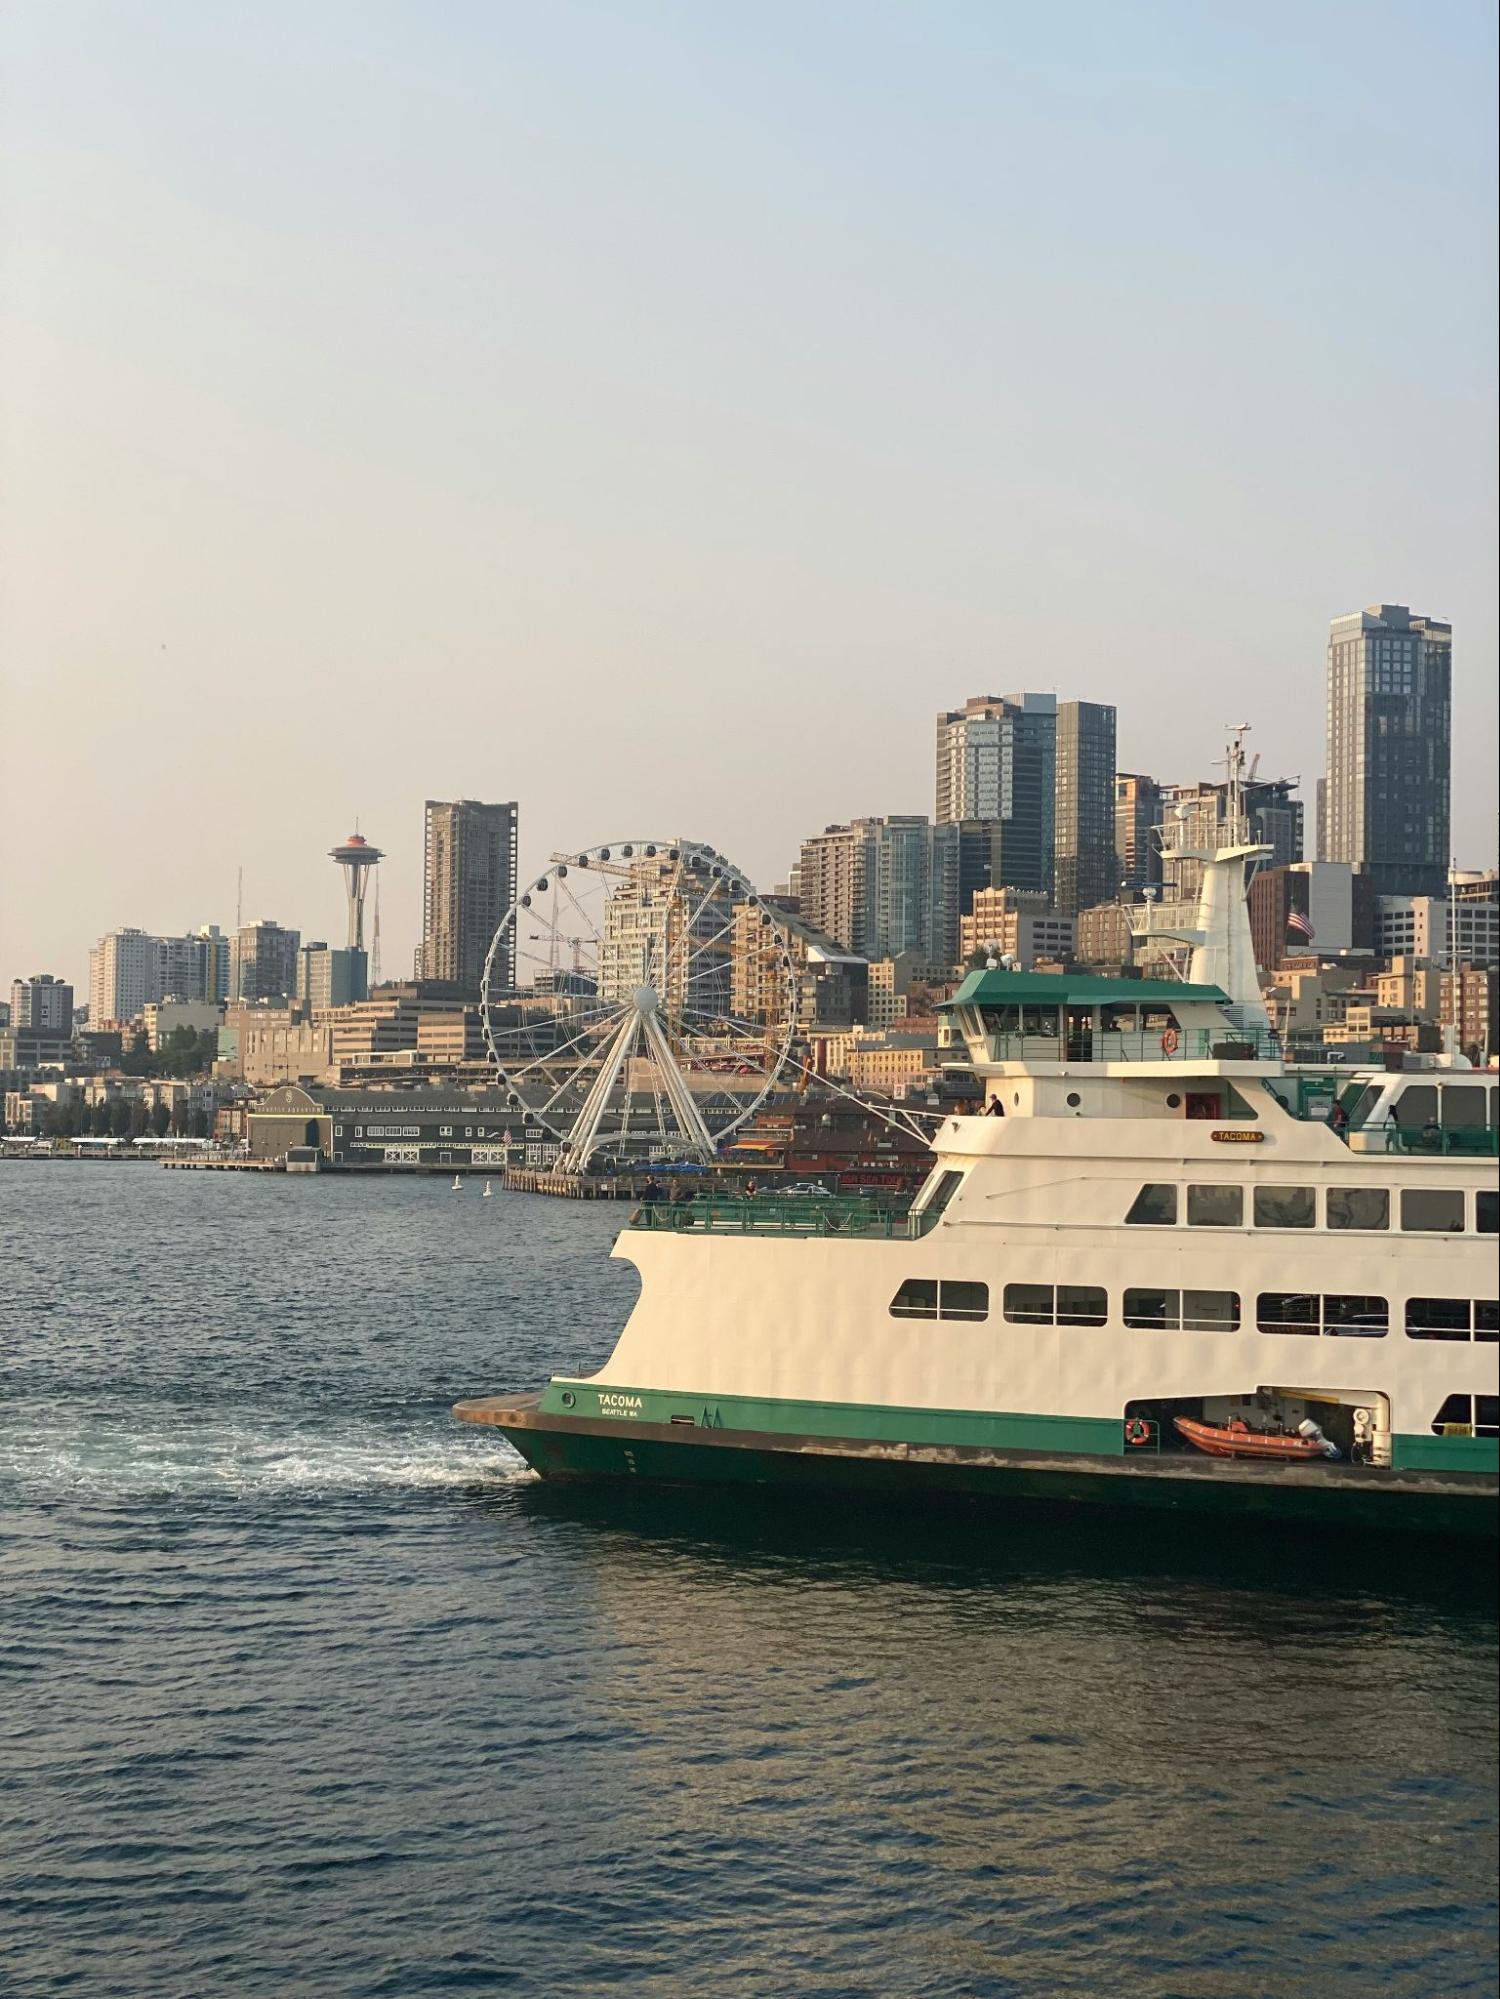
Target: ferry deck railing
<point>1164,1044</point>
<point>1450,1141</point>
<point>788,1215</point>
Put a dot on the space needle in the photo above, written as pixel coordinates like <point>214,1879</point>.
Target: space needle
<point>357,859</point>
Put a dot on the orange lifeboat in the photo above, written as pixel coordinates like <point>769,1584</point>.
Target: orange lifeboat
<point>1238,1440</point>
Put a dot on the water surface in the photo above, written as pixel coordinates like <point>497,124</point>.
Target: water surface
<point>306,1690</point>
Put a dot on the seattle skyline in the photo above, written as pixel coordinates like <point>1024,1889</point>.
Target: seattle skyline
<point>664,459</point>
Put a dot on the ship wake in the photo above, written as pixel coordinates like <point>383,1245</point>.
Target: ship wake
<point>47,1452</point>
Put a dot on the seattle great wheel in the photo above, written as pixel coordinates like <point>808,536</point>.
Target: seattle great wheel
<point>640,1003</point>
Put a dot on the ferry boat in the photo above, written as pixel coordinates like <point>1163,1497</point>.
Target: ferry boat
<point>1146,1236</point>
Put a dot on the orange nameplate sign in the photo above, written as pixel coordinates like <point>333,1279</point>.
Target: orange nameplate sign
<point>1239,1137</point>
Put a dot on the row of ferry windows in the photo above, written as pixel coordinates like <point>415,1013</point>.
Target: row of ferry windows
<point>1423,1210</point>
<point>1348,1315</point>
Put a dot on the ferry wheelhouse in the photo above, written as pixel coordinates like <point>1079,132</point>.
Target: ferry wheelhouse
<point>1153,1270</point>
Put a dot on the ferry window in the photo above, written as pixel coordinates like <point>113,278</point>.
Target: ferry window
<point>943,1187</point>
<point>963,1301</point>
<point>1437,1209</point>
<point>1487,1211</point>
<point>1487,1415</point>
<point>1463,1104</point>
<point>925,1298</point>
<point>1185,1311</point>
<point>1210,1311</point>
<point>1437,1318</point>
<point>1487,1319</point>
<point>1355,1317</point>
<point>1081,1305</point>
<point>1416,1106</point>
<point>1155,1204</point>
<point>1039,1020</point>
<point>917,1299</point>
<point>1286,1312</point>
<point>1455,1418</point>
<point>1364,1102</point>
<point>1153,1309</point>
<point>1215,1207</point>
<point>1028,1304</point>
<point>1359,1208</point>
<point>1285,1208</point>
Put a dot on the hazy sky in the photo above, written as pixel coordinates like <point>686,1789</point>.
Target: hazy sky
<point>654,413</point>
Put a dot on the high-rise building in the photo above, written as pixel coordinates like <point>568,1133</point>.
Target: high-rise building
<point>185,968</point>
<point>1086,871</point>
<point>1138,810</point>
<point>997,762</point>
<point>328,978</point>
<point>828,881</point>
<point>468,884</point>
<point>884,886</point>
<point>263,963</point>
<point>215,947</point>
<point>42,1002</point>
<point>131,969</point>
<point>124,973</point>
<point>1386,806</point>
<point>910,888</point>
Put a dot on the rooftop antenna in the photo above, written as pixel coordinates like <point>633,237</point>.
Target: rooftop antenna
<point>239,898</point>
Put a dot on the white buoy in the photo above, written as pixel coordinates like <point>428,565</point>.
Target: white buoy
<point>487,1190</point>
<point>457,1183</point>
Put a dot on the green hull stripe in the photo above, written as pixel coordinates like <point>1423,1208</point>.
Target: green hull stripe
<point>878,1423</point>
<point>865,1422</point>
<point>1424,1452</point>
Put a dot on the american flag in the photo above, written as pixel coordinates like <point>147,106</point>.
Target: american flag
<point>1299,924</point>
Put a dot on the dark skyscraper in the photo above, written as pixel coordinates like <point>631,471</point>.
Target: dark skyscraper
<point>996,767</point>
<point>1086,869</point>
<point>1386,801</point>
<point>469,882</point>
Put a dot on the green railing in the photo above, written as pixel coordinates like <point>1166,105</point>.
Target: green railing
<point>1463,1141</point>
<point>773,1214</point>
<point>1165,1044</point>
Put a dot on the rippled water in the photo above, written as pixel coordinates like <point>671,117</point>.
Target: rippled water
<point>306,1690</point>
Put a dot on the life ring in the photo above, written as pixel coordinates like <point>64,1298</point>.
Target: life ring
<point>1169,1041</point>
<point>1137,1431</point>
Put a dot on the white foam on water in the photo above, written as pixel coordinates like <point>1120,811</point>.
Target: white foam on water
<point>180,1455</point>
